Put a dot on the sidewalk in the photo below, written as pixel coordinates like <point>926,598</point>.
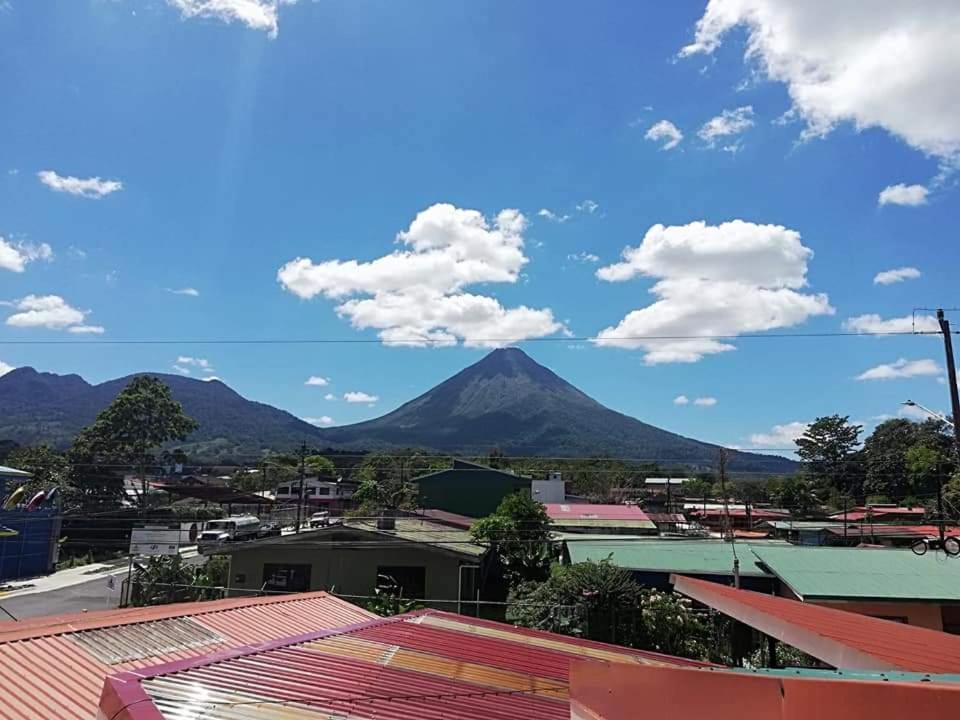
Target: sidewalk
<point>76,576</point>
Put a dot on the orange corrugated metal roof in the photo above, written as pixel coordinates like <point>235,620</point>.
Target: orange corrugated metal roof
<point>843,639</point>
<point>48,669</point>
<point>427,664</point>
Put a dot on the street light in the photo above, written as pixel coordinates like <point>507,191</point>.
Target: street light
<point>928,411</point>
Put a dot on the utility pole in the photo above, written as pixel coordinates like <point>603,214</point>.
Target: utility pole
<point>303,472</point>
<point>726,513</point>
<point>951,377</point>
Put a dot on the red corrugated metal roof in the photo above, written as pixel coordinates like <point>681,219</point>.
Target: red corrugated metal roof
<point>878,513</point>
<point>424,664</point>
<point>563,511</point>
<point>755,513</point>
<point>843,639</point>
<point>50,667</point>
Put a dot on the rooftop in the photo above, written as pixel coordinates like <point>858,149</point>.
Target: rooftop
<point>691,557</point>
<point>824,573</point>
<point>837,637</point>
<point>587,515</point>
<point>421,665</point>
<point>54,667</point>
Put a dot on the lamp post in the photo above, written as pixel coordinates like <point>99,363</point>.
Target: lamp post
<point>928,411</point>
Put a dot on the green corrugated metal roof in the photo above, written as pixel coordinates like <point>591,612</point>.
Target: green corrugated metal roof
<point>863,573</point>
<point>701,557</point>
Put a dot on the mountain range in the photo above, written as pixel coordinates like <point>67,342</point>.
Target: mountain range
<point>506,400</point>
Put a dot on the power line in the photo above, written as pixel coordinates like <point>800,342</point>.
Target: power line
<point>599,342</point>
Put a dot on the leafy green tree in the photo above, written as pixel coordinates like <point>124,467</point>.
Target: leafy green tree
<point>697,489</point>
<point>163,580</point>
<point>518,534</point>
<point>826,448</point>
<point>601,601</point>
<point>48,467</point>
<point>386,480</point>
<point>142,418</point>
<point>795,494</point>
<point>905,458</point>
<point>320,466</point>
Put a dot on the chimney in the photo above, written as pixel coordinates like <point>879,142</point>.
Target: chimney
<point>387,520</point>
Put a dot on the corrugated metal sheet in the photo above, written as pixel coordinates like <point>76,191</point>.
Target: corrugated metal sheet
<point>49,669</point>
<point>423,665</point>
<point>862,574</point>
<point>839,638</point>
<point>691,557</point>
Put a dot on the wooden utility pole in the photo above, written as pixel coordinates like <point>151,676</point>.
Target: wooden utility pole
<point>951,377</point>
<point>303,473</point>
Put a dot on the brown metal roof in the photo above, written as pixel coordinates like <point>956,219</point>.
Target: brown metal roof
<point>54,667</point>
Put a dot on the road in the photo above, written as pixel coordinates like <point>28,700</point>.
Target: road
<point>74,590</point>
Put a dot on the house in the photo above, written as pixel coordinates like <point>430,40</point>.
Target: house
<point>608,519</point>
<point>321,492</point>
<point>652,561</point>
<point>421,665</point>
<point>413,557</point>
<point>743,517</point>
<point>54,667</point>
<point>802,532</point>
<point>886,583</point>
<point>28,540</point>
<point>468,488</point>
<point>880,514</point>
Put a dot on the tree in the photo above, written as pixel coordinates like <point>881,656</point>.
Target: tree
<point>143,417</point>
<point>385,480</point>
<point>319,465</point>
<point>163,580</point>
<point>48,467</point>
<point>825,448</point>
<point>603,602</point>
<point>905,458</point>
<point>518,534</point>
<point>793,493</point>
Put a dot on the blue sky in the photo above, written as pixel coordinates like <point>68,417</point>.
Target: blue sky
<point>157,145</point>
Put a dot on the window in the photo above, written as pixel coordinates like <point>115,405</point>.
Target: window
<point>285,490</point>
<point>403,580</point>
<point>311,491</point>
<point>286,578</point>
<point>322,490</point>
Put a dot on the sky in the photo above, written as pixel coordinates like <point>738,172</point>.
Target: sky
<point>442,177</point>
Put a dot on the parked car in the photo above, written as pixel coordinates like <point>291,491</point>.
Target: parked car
<point>320,519</point>
<point>271,529</point>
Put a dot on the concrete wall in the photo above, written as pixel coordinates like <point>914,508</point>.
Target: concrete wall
<point>352,570</point>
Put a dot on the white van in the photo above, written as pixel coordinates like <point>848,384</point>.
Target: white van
<point>231,529</point>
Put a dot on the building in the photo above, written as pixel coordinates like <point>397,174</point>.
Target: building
<point>885,583</point>
<point>653,561</point>
<point>741,517</point>
<point>28,542</point>
<point>416,558</point>
<point>54,667</point>
<point>597,519</point>
<point>421,665</point>
<point>468,488</point>
<point>330,494</point>
<point>880,514</point>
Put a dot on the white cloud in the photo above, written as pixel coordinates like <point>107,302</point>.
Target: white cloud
<point>900,194</point>
<point>588,206</point>
<point>727,123</point>
<point>92,188</point>
<point>255,14</point>
<point>322,421</point>
<point>705,401</point>
<point>197,362</point>
<point>722,280</point>
<point>552,216</point>
<point>16,256</point>
<point>181,369</point>
<point>87,329</point>
<point>665,131</point>
<point>876,64</point>
<point>681,400</point>
<point>51,312</point>
<point>415,296</point>
<point>872,323</point>
<point>360,397</point>
<point>317,380</point>
<point>583,257</point>
<point>779,436</point>
<point>889,277</point>
<point>191,292</point>
<point>902,368</point>
<point>5,368</point>
<point>212,378</point>
<point>329,396</point>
